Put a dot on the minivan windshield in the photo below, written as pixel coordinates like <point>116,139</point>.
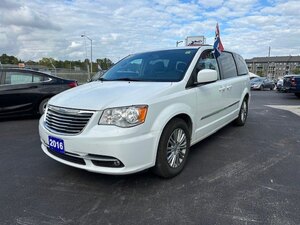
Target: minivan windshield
<point>157,66</point>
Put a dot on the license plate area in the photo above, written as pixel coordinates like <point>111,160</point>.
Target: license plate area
<point>56,144</point>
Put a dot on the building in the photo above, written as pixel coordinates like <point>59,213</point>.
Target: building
<point>274,67</point>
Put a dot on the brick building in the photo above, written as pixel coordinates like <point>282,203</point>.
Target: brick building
<point>274,67</point>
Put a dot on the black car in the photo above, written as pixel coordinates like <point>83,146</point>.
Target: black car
<point>291,84</point>
<point>26,92</point>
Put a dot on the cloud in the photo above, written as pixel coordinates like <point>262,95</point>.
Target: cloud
<point>211,3</point>
<point>8,4</point>
<point>40,28</point>
<point>24,16</point>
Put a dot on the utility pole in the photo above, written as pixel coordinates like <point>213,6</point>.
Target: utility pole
<point>83,35</point>
<point>268,61</point>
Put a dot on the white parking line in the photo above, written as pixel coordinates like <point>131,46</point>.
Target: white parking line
<point>292,108</point>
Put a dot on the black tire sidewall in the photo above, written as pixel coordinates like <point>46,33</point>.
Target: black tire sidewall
<point>162,167</point>
<point>239,121</point>
<point>41,106</point>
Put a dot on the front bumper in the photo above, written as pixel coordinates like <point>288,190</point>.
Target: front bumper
<point>292,89</point>
<point>254,87</point>
<point>98,148</point>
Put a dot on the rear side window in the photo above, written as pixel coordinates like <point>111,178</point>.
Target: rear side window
<point>227,65</point>
<point>39,78</point>
<point>242,68</point>
<point>18,78</point>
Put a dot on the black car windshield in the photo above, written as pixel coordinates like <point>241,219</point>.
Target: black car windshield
<point>158,66</point>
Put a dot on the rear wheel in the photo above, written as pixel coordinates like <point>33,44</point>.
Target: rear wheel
<point>173,149</point>
<point>243,114</point>
<point>42,106</point>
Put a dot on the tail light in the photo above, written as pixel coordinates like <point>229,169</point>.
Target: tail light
<point>73,84</point>
<point>293,82</point>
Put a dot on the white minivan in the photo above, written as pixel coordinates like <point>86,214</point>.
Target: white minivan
<point>146,111</point>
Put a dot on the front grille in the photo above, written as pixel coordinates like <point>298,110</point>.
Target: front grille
<point>66,121</point>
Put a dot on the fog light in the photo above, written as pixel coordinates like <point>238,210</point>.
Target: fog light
<point>117,163</point>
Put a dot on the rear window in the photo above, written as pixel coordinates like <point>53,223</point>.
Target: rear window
<point>227,65</point>
<point>242,68</point>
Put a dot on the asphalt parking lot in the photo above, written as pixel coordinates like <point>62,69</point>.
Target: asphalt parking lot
<point>240,175</point>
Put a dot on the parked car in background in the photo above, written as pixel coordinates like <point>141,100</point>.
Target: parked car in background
<point>279,85</point>
<point>261,83</point>
<point>253,75</point>
<point>291,84</point>
<point>146,111</point>
<point>26,92</point>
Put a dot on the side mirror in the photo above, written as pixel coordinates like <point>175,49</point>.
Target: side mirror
<point>207,76</point>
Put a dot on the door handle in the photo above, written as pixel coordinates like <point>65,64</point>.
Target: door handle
<point>222,89</point>
<point>229,87</point>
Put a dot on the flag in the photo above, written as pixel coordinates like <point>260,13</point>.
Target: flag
<point>218,46</point>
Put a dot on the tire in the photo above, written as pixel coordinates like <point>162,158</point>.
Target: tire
<point>272,88</point>
<point>262,87</point>
<point>173,149</point>
<point>243,114</point>
<point>42,106</point>
<point>298,95</point>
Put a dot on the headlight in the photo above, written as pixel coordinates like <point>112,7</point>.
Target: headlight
<point>124,116</point>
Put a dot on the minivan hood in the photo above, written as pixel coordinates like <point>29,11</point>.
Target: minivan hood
<point>100,95</point>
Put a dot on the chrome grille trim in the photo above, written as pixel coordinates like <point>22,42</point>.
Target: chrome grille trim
<point>66,121</point>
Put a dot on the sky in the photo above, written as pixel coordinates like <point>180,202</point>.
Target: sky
<point>33,29</point>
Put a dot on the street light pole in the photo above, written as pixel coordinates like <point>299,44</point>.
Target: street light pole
<point>83,35</point>
<point>178,42</point>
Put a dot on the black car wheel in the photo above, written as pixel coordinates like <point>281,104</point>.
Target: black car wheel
<point>173,149</point>
<point>42,106</point>
<point>262,87</point>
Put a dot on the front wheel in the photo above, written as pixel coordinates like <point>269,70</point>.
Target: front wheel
<point>173,149</point>
<point>243,114</point>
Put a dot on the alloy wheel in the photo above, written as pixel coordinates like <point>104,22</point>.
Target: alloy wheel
<point>176,148</point>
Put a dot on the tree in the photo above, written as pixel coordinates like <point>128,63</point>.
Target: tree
<point>296,70</point>
<point>104,63</point>
<point>6,59</point>
<point>259,73</point>
<point>46,62</point>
